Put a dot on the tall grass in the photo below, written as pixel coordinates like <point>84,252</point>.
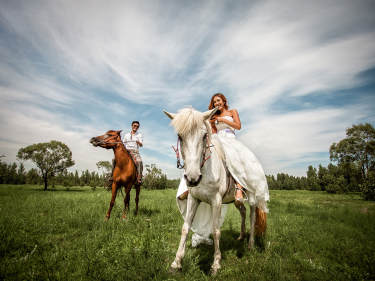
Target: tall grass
<point>61,235</point>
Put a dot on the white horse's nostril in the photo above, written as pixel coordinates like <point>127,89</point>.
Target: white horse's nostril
<point>193,181</point>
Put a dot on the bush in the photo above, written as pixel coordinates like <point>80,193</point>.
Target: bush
<point>368,188</point>
<point>335,185</point>
<point>154,178</point>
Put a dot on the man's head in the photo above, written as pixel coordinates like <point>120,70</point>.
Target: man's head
<point>135,126</point>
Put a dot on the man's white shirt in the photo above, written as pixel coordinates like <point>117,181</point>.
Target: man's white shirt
<point>130,140</point>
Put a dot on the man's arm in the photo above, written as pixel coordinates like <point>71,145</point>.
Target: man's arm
<point>140,140</point>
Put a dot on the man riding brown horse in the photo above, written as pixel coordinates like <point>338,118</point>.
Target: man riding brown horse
<point>125,171</point>
<point>132,141</point>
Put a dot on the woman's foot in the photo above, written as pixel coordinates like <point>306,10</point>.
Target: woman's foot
<point>239,193</point>
<point>184,195</point>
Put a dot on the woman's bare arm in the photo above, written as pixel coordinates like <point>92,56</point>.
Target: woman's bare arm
<point>236,124</point>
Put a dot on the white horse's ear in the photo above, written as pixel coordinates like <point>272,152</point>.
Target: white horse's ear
<point>170,115</point>
<point>208,114</point>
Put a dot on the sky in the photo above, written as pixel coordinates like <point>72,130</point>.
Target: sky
<point>298,72</point>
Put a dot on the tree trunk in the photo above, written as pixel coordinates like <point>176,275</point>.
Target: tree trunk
<point>45,183</point>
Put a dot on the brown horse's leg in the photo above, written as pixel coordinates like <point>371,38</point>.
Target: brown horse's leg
<point>113,199</point>
<point>126,200</point>
<point>138,190</point>
<point>241,207</point>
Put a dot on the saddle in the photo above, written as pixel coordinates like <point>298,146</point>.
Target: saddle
<point>110,179</point>
<point>133,157</point>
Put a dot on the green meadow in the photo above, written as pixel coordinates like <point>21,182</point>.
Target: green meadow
<point>60,234</point>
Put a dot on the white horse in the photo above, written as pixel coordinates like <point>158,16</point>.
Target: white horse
<point>208,180</point>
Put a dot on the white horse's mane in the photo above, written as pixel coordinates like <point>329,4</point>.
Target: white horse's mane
<point>187,120</point>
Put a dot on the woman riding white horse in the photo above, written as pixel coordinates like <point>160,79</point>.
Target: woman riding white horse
<point>223,124</point>
<point>209,180</point>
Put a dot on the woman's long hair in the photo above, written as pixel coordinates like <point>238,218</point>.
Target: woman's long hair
<point>211,106</point>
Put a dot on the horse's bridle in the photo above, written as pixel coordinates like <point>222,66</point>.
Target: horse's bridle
<point>117,142</point>
<point>177,150</point>
<point>107,142</point>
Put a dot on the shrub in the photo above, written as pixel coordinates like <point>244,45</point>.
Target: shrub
<point>335,185</point>
<point>368,187</point>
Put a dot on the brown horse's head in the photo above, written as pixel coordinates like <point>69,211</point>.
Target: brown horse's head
<point>109,140</point>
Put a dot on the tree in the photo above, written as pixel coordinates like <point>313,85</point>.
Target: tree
<point>32,177</point>
<point>312,178</point>
<point>322,172</point>
<point>368,187</point>
<point>21,177</point>
<point>154,178</point>
<point>12,173</point>
<point>358,147</point>
<point>105,166</point>
<point>50,157</point>
<point>3,171</point>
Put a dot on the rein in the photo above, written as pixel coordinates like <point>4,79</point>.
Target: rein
<point>179,166</point>
<point>106,142</point>
<point>117,142</point>
<point>204,151</point>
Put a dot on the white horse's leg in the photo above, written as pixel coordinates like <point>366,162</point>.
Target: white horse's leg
<point>252,227</point>
<point>192,206</point>
<point>216,213</point>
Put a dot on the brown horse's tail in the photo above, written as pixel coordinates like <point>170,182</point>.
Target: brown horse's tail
<point>260,226</point>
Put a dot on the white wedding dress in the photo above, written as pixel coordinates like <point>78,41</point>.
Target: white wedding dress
<point>244,168</point>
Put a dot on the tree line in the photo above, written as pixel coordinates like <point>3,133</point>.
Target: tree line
<point>352,168</point>
<point>15,173</point>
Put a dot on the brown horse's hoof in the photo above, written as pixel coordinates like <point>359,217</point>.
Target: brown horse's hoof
<point>106,219</point>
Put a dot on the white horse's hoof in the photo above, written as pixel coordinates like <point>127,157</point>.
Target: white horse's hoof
<point>175,267</point>
<point>214,269</point>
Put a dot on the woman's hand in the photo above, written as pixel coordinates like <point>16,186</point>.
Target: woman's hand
<point>220,119</point>
<point>212,123</point>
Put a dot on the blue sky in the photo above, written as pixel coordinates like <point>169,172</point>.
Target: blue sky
<point>298,72</point>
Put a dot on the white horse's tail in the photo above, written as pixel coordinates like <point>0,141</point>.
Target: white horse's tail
<point>260,222</point>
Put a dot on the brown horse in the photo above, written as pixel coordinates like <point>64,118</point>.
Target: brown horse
<point>125,171</point>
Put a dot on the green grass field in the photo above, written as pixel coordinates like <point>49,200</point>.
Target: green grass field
<point>61,235</point>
